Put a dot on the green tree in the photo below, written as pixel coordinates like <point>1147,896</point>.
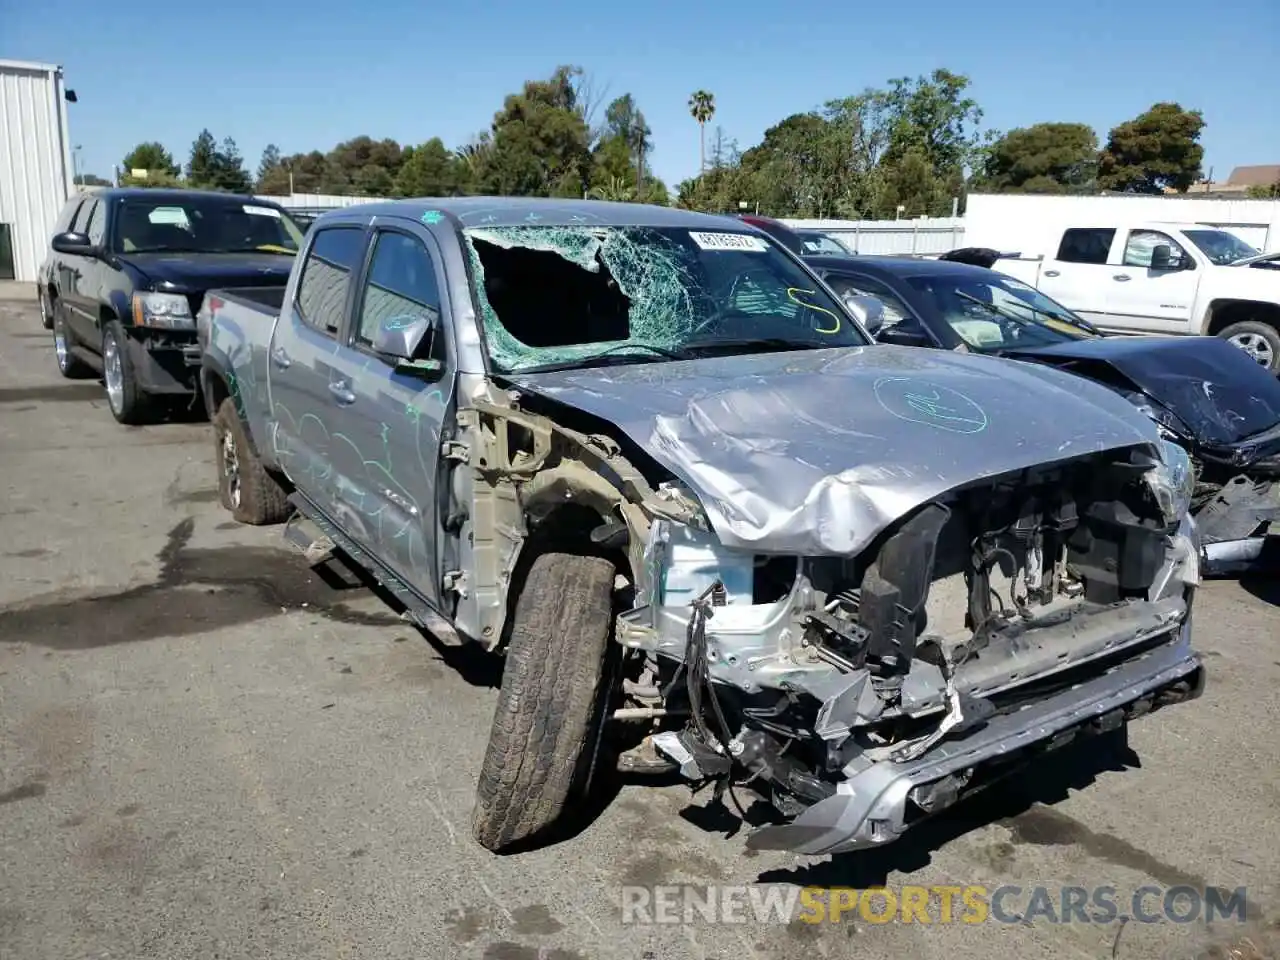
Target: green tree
<point>308,171</point>
<point>1043,158</point>
<point>1263,192</point>
<point>359,161</point>
<point>273,173</point>
<point>152,157</point>
<point>1156,151</point>
<point>202,165</point>
<point>702,107</point>
<point>800,168</point>
<point>620,155</point>
<point>230,173</point>
<point>539,141</point>
<point>431,170</point>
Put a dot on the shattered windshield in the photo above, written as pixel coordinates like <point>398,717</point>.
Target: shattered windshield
<point>584,295</point>
<point>1221,247</point>
<point>992,311</point>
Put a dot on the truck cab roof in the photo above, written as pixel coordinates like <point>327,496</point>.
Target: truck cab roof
<point>533,211</point>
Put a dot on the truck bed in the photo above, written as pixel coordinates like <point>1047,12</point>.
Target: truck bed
<point>253,297</point>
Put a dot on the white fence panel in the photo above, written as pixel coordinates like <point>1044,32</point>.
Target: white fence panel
<point>925,236</point>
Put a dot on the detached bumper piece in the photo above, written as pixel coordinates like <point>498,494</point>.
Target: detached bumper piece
<point>878,804</point>
<point>1234,528</point>
<point>166,363</point>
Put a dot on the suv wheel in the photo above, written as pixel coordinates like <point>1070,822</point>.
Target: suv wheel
<point>129,404</point>
<point>556,688</point>
<point>46,315</point>
<point>69,365</point>
<point>244,486</point>
<point>1258,339</point>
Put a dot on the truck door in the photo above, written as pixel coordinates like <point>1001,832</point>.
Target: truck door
<point>389,441</point>
<point>1076,275</point>
<point>302,361</point>
<point>1151,296</point>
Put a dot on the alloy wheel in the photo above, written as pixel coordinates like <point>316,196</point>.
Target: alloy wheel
<point>1256,346</point>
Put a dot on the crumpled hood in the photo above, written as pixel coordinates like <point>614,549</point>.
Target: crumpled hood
<point>1216,389</point>
<point>815,452</point>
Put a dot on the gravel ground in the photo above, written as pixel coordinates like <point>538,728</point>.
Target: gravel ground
<point>207,752</point>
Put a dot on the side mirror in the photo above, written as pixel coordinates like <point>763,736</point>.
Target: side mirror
<point>78,244</point>
<point>868,310</point>
<point>1162,258</point>
<point>398,337</point>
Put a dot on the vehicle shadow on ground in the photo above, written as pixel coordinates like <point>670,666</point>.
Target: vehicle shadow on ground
<point>470,661</point>
<point>1045,782</point>
<point>1263,582</point>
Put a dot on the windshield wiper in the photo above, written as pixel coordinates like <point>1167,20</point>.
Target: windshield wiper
<point>751,343</point>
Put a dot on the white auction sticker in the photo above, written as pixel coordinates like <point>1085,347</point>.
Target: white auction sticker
<point>261,211</point>
<point>729,241</point>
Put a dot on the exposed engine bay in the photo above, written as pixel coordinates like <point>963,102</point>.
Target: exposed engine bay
<point>833,684</point>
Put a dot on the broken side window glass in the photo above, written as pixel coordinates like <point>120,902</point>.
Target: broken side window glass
<point>556,294</point>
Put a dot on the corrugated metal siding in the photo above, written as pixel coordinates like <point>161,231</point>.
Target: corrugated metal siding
<point>35,159</point>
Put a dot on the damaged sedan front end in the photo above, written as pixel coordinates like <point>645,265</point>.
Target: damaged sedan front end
<point>893,591</point>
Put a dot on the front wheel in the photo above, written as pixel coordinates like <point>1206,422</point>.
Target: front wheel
<point>555,692</point>
<point>1258,339</point>
<point>129,403</point>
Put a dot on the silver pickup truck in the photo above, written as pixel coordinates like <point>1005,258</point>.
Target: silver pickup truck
<point>650,458</point>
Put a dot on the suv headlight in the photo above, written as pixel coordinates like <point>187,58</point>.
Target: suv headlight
<point>1173,481</point>
<point>167,311</point>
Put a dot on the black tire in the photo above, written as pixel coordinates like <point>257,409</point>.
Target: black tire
<point>46,313</point>
<point>554,690</point>
<point>1259,332</point>
<point>134,405</point>
<point>260,499</point>
<point>69,365</point>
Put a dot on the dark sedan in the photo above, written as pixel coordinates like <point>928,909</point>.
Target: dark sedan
<point>1204,393</point>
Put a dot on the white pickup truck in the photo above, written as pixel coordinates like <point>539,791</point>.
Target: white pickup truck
<point>1162,278</point>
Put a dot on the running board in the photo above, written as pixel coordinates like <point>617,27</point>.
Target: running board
<point>86,356</point>
<point>320,541</point>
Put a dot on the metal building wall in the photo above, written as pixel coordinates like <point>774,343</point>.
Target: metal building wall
<point>35,158</point>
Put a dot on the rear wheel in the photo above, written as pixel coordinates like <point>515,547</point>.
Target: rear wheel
<point>244,486</point>
<point>69,365</point>
<point>46,315</point>
<point>556,687</point>
<point>1258,339</point>
<point>129,403</point>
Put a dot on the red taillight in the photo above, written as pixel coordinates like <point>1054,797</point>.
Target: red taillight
<point>216,303</point>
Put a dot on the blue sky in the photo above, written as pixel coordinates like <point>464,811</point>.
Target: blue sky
<point>308,75</point>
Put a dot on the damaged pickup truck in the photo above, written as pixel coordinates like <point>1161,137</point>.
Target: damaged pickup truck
<point>653,460</point>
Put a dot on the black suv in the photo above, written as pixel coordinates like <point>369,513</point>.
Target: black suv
<point>128,271</point>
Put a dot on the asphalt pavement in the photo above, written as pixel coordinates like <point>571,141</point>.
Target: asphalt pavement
<point>208,752</point>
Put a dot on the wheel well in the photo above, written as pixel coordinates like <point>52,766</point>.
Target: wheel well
<point>105,316</point>
<point>1223,313</point>
<point>566,529</point>
<point>215,391</point>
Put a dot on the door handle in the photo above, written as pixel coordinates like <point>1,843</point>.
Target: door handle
<point>1051,273</point>
<point>341,391</point>
<point>280,358</point>
<point>1121,277</point>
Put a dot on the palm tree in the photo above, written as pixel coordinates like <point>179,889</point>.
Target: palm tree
<point>702,107</point>
<point>615,188</point>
